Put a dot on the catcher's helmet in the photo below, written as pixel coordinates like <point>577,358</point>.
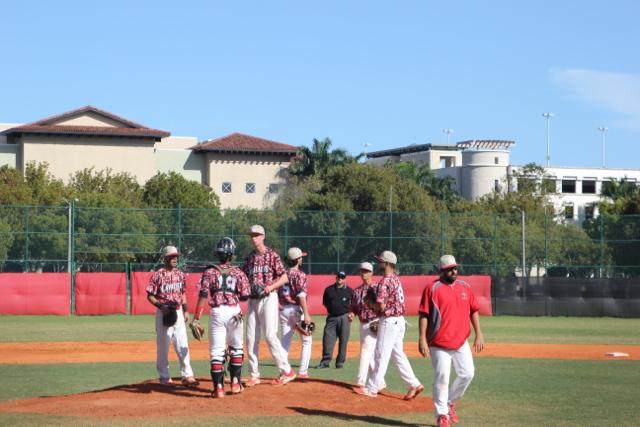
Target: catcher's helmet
<point>225,249</point>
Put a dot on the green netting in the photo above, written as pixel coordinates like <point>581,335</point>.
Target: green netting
<point>63,238</point>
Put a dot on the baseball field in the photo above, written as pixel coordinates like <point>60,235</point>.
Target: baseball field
<point>101,371</point>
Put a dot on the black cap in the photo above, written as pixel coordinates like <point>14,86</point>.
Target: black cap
<point>341,275</point>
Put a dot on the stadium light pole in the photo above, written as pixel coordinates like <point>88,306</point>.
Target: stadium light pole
<point>603,130</point>
<point>448,132</point>
<point>548,116</point>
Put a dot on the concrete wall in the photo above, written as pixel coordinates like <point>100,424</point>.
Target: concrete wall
<point>240,169</point>
<point>66,155</point>
<point>173,154</point>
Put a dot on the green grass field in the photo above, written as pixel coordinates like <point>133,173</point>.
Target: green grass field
<point>505,392</point>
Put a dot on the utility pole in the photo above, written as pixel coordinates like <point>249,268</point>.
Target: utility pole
<point>603,130</point>
<point>548,116</point>
<point>448,132</point>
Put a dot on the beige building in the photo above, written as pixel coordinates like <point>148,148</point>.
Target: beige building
<point>436,156</point>
<point>84,138</point>
<point>243,170</point>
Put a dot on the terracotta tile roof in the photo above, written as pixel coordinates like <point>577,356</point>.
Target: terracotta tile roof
<point>241,143</point>
<point>48,126</point>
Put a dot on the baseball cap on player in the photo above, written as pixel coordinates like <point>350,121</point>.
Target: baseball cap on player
<point>387,256</point>
<point>170,252</point>
<point>447,261</point>
<point>341,275</point>
<point>366,266</point>
<point>295,253</point>
<point>256,229</point>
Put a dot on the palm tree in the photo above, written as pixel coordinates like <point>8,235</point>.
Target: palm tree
<point>318,159</point>
<point>440,188</point>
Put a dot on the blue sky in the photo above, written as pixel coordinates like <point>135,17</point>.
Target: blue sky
<point>384,73</point>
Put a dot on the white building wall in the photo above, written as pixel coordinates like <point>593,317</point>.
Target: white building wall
<point>173,154</point>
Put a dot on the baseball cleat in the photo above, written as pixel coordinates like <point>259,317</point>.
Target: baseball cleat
<point>218,393</point>
<point>166,381</point>
<point>453,417</point>
<point>190,382</point>
<point>303,376</point>
<point>252,382</point>
<point>363,391</point>
<point>413,392</point>
<point>443,421</point>
<point>236,388</point>
<point>285,378</point>
<point>382,387</point>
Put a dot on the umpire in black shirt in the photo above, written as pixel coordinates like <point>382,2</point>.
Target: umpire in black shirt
<point>337,300</point>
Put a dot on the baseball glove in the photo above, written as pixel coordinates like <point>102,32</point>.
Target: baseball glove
<point>238,317</point>
<point>169,314</point>
<point>257,292</point>
<point>370,297</point>
<point>306,328</point>
<point>197,330</point>
<point>373,326</point>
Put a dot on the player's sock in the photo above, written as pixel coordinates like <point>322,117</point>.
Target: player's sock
<point>217,374</point>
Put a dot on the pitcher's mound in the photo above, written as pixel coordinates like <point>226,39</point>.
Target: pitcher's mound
<point>300,397</point>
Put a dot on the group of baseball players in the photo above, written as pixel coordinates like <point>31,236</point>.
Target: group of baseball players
<point>279,296</point>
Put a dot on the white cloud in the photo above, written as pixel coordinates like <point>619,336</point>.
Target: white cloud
<point>616,92</point>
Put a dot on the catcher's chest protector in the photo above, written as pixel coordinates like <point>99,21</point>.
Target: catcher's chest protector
<point>226,282</point>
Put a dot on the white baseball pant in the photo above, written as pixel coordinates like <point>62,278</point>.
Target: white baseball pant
<point>389,345</point>
<point>224,331</point>
<point>176,334</point>
<point>367,348</point>
<point>263,316</point>
<point>291,315</point>
<point>441,360</point>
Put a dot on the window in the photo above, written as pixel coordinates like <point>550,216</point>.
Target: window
<point>588,212</point>
<point>607,187</point>
<point>250,187</point>
<point>273,188</point>
<point>568,212</point>
<point>496,185</point>
<point>526,184</point>
<point>589,186</point>
<point>496,160</point>
<point>226,187</point>
<point>549,185</point>
<point>568,185</point>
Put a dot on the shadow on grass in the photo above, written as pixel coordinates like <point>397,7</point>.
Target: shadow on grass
<point>372,419</point>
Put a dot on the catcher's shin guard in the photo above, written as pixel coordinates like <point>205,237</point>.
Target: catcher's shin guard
<point>235,364</point>
<point>217,373</point>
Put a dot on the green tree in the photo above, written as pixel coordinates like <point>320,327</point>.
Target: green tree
<point>442,189</point>
<point>13,188</point>
<point>317,160</point>
<point>168,190</point>
<point>122,185</point>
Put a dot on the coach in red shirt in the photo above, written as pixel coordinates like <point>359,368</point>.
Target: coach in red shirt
<point>447,308</point>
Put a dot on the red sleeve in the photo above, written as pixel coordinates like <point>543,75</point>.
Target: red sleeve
<point>278,268</point>
<point>473,302</point>
<point>183,278</point>
<point>382,292</point>
<point>152,287</point>
<point>424,302</point>
<point>354,302</point>
<point>242,286</point>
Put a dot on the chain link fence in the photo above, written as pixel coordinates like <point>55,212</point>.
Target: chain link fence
<point>75,238</point>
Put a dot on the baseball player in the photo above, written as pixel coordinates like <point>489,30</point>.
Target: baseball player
<point>446,309</point>
<point>293,309</point>
<point>266,275</point>
<point>166,290</point>
<point>223,286</point>
<point>368,335</point>
<point>389,303</point>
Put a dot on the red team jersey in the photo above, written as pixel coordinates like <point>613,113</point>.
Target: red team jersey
<point>358,306</point>
<point>297,286</point>
<point>263,269</point>
<point>167,286</point>
<point>224,292</point>
<point>389,291</point>
<point>449,308</point>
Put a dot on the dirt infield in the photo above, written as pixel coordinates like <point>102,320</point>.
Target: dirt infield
<point>137,400</point>
<point>145,351</point>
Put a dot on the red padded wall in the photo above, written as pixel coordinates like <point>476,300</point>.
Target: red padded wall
<point>101,293</point>
<point>35,293</point>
